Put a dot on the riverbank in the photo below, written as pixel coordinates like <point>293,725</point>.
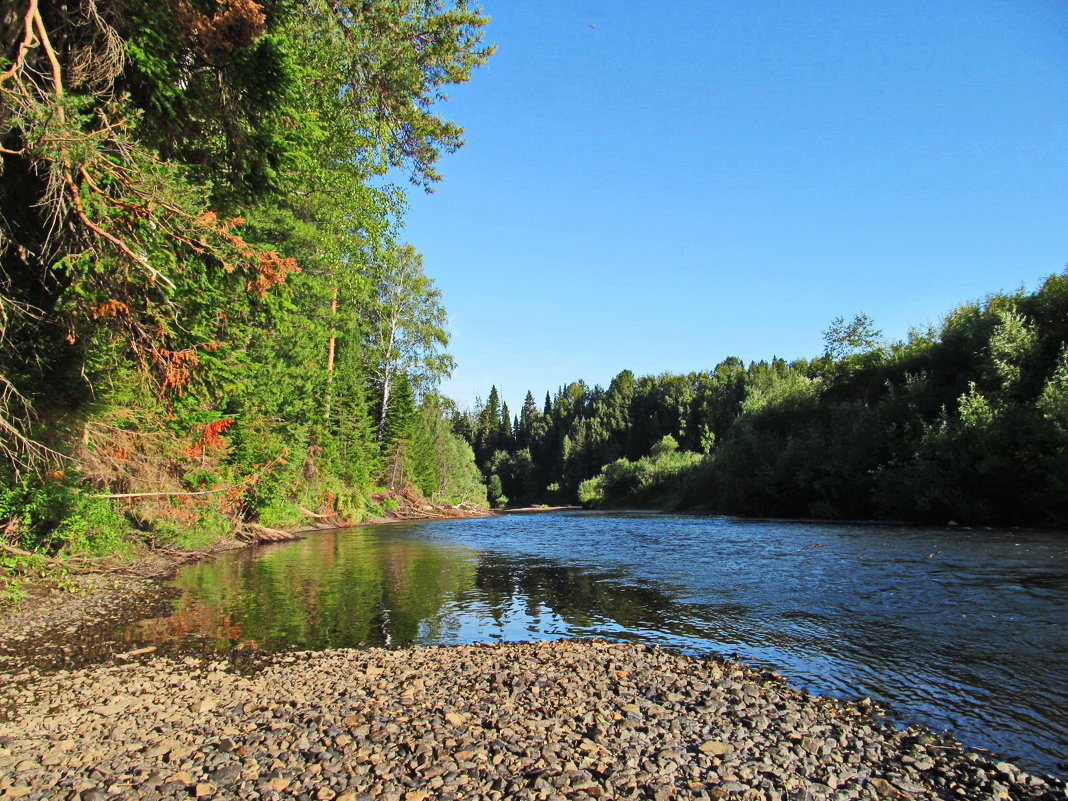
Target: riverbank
<point>551,720</point>
<point>66,619</point>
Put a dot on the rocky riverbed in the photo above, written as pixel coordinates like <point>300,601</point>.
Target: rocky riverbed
<point>550,720</point>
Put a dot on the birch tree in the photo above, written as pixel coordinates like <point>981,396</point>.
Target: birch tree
<point>406,333</point>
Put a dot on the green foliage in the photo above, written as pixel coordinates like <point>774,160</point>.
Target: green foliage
<point>55,516</point>
<point>665,447</point>
<point>439,462</point>
<point>657,480</point>
<point>591,491</point>
<point>495,491</point>
<point>856,336</point>
<point>1053,402</point>
<point>203,284</point>
<point>93,526</point>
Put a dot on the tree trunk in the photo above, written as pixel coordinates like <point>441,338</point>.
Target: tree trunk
<point>385,406</point>
<point>330,356</point>
<point>387,374</point>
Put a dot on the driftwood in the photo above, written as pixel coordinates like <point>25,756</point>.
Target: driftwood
<point>254,532</point>
<point>323,521</point>
<point>79,564</point>
<point>316,515</point>
<point>11,549</point>
<point>407,503</point>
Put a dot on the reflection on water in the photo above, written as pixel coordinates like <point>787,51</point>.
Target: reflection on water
<point>959,629</point>
<point>338,589</point>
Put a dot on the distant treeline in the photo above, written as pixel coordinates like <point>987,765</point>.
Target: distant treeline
<point>967,421</point>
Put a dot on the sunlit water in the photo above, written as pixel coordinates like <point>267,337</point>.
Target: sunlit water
<point>961,630</point>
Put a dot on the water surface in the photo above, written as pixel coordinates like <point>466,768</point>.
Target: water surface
<point>959,629</point>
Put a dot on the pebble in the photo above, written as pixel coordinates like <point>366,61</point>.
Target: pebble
<point>570,719</point>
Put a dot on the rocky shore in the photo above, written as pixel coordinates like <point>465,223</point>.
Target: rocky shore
<point>550,720</point>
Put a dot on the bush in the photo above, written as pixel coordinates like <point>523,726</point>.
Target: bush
<point>591,491</point>
<point>55,517</point>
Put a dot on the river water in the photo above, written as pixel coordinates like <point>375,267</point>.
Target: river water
<point>959,629</point>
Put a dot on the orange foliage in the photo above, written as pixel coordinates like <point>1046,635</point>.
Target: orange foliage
<point>177,366</point>
<point>270,266</point>
<point>109,308</point>
<point>237,25</point>
<point>209,437</point>
<point>271,270</point>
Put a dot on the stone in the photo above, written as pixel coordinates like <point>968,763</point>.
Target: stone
<point>204,704</point>
<point>885,788</point>
<point>182,777</point>
<point>714,748</point>
<point>226,774</point>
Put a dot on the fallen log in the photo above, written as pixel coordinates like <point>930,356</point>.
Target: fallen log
<point>254,532</point>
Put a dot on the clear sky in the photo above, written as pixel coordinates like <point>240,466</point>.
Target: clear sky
<point>656,186</point>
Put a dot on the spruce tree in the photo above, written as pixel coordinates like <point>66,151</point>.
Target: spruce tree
<point>398,430</point>
<point>487,432</point>
<point>524,425</point>
<point>505,438</point>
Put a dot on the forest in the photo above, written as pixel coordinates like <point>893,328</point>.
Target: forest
<point>208,315</point>
<point>966,422</point>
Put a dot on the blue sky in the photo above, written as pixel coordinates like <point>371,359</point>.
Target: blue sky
<point>658,186</point>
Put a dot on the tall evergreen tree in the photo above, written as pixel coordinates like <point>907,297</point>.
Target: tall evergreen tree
<point>488,426</point>
<point>505,438</point>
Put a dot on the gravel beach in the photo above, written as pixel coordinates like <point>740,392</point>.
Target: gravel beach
<point>550,720</point>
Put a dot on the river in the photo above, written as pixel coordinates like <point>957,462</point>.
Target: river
<point>958,629</point>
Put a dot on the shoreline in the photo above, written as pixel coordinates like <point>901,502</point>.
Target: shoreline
<point>57,626</point>
<point>566,719</point>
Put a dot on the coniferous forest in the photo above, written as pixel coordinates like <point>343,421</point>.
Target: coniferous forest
<point>965,422</point>
<point>208,314</point>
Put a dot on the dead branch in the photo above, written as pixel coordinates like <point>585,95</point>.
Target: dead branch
<point>118,495</point>
<point>11,549</point>
<point>26,43</point>
<point>254,532</point>
<point>125,249</point>
<point>309,513</point>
